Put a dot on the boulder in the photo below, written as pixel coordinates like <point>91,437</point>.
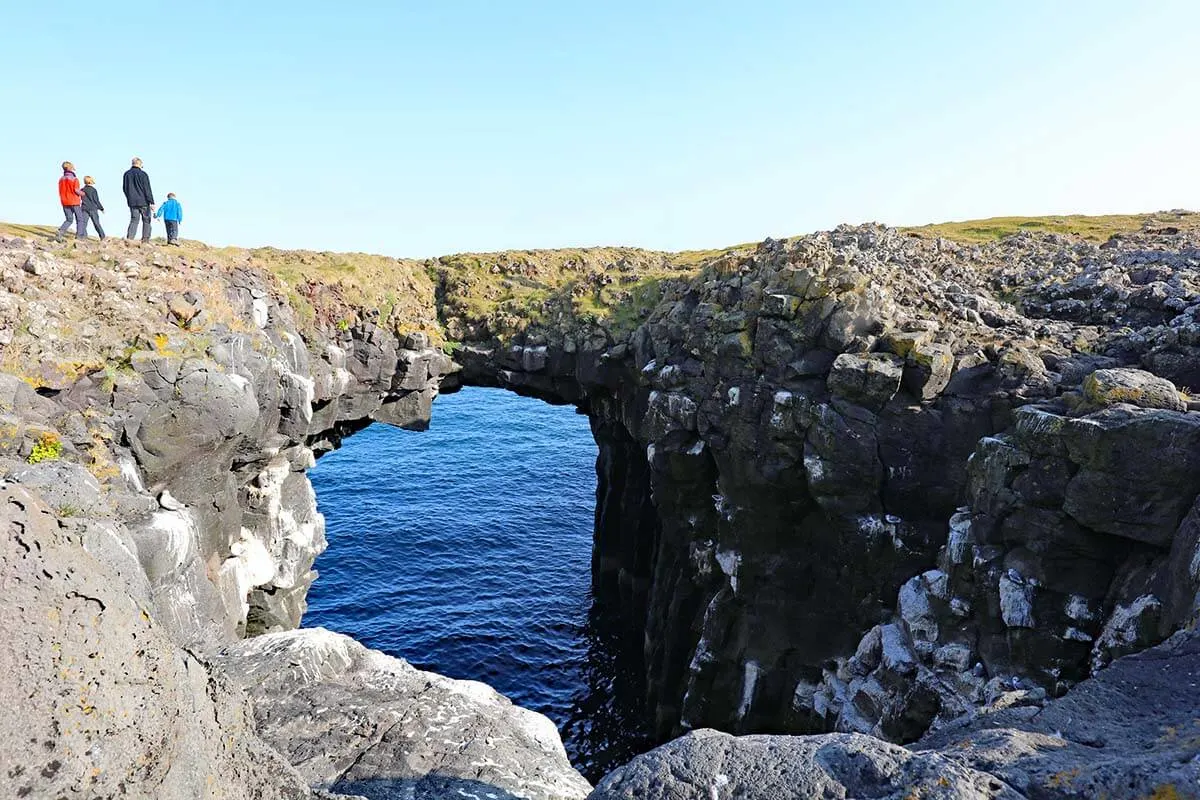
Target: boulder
<point>356,721</point>
<point>869,380</point>
<point>709,765</point>
<point>1106,387</point>
<point>1139,471</point>
<point>927,369</point>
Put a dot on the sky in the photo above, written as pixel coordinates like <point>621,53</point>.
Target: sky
<point>424,128</point>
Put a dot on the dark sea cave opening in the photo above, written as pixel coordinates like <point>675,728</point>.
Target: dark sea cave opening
<point>467,551</point>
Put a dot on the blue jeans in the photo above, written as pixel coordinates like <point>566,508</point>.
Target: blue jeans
<point>74,215</point>
<point>94,215</point>
<point>139,213</point>
<point>172,230</point>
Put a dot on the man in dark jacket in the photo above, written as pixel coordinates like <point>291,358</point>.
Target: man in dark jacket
<point>140,198</point>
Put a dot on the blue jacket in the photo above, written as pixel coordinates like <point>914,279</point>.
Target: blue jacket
<point>170,211</point>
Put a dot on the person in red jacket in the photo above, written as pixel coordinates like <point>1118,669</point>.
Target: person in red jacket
<point>72,202</point>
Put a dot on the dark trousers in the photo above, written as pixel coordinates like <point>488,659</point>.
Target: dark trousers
<point>139,213</point>
<point>74,215</point>
<point>94,215</point>
<point>172,230</point>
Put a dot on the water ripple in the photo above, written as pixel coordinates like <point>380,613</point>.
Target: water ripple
<point>466,550</point>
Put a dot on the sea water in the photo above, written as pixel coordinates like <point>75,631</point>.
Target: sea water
<point>466,550</point>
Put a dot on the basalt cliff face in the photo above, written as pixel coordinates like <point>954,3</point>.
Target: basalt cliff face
<point>794,434</point>
<point>858,481</point>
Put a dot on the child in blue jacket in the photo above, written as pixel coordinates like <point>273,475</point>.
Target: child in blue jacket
<point>172,214</point>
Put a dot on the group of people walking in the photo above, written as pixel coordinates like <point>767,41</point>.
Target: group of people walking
<point>81,204</point>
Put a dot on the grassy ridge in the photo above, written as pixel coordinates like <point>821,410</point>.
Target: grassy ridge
<point>479,295</point>
<point>325,289</point>
<point>1093,228</point>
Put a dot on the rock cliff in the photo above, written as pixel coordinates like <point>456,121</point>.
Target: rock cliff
<point>859,481</point>
<point>797,431</point>
<point>158,415</point>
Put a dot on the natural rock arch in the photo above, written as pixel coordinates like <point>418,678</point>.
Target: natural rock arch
<point>784,441</point>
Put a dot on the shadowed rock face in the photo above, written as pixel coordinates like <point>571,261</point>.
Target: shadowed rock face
<point>1073,552</point>
<point>804,417</point>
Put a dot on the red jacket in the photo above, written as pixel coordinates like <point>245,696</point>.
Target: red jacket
<point>68,189</point>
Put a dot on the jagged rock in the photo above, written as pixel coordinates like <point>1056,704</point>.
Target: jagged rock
<point>37,264</point>
<point>183,308</point>
<point>1130,628</point>
<point>708,765</point>
<point>1128,733</point>
<point>928,369</point>
<point>99,703</point>
<point>357,721</point>
<point>870,381</point>
<point>1106,387</point>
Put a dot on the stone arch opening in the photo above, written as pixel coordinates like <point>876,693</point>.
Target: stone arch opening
<point>480,549</point>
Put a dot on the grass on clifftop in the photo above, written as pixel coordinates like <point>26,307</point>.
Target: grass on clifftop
<point>501,294</point>
<point>480,295</point>
<point>498,293</point>
<point>325,288</point>
<point>1097,229</point>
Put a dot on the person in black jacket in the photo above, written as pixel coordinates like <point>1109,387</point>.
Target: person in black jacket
<point>92,207</point>
<point>140,198</point>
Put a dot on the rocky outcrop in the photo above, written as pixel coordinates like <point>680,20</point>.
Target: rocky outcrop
<point>803,415</point>
<point>358,722</point>
<point>1128,733</point>
<point>99,701</point>
<point>708,765</point>
<point>1075,549</point>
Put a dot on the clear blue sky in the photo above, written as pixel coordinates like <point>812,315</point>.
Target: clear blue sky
<point>419,128</point>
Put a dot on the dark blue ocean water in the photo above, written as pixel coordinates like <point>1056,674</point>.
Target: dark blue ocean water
<point>466,550</point>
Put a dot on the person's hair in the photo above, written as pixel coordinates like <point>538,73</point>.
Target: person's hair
<point>137,162</point>
<point>68,165</point>
<point>89,180</point>
<point>170,194</point>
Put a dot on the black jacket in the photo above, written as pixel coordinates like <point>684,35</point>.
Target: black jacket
<point>91,199</point>
<point>137,188</point>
